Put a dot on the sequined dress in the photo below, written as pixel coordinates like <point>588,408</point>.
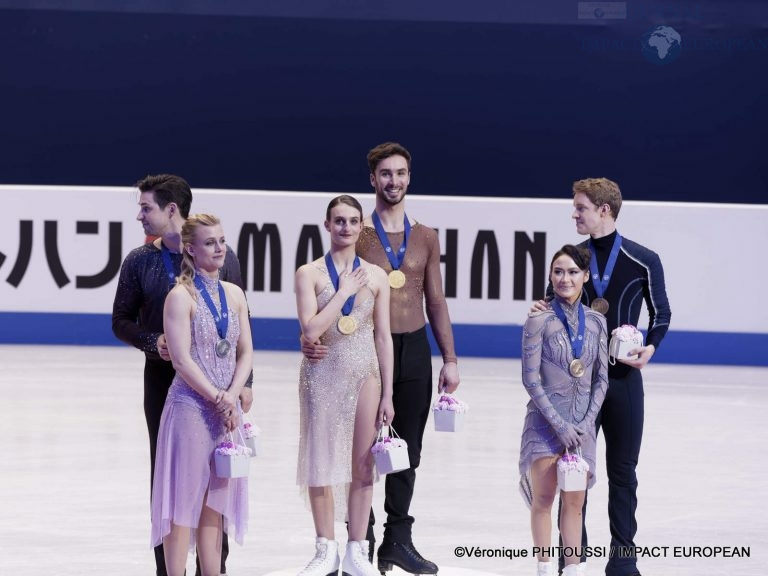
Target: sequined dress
<point>546,356</point>
<point>190,429</point>
<point>328,392</point>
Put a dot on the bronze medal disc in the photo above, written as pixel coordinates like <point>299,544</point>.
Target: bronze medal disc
<point>600,305</point>
<point>396,279</point>
<point>347,325</point>
<point>576,368</point>
<point>222,348</point>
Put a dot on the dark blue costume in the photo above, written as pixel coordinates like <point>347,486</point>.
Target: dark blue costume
<point>637,277</point>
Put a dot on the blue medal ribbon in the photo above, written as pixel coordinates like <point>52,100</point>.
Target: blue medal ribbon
<point>601,284</point>
<point>168,263</point>
<point>350,303</point>
<point>396,260</point>
<point>577,340</point>
<point>221,319</point>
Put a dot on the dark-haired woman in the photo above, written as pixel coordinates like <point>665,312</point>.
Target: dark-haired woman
<point>565,372</point>
<point>343,302</point>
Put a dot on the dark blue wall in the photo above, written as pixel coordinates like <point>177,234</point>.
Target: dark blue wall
<point>516,107</point>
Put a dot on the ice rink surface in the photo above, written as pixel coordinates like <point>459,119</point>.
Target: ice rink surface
<point>74,476</point>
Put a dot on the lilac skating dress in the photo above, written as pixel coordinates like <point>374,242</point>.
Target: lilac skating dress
<point>555,394</point>
<point>190,429</point>
<point>328,392</point>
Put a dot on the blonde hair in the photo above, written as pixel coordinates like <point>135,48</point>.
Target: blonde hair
<point>188,231</point>
<point>600,191</point>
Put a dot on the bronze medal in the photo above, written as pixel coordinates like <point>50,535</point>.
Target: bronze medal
<point>396,279</point>
<point>600,305</point>
<point>576,368</point>
<point>347,325</point>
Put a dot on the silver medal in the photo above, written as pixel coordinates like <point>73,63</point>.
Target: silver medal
<point>222,348</point>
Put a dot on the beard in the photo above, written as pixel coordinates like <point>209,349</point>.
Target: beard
<point>388,199</point>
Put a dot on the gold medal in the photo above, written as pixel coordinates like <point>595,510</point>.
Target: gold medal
<point>576,368</point>
<point>600,305</point>
<point>396,279</point>
<point>346,325</point>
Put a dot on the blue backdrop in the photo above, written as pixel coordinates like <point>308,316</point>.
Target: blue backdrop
<point>507,99</point>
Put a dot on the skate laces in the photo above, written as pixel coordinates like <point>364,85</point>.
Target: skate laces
<point>321,552</point>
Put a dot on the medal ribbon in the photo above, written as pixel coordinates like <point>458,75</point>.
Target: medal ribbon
<point>601,284</point>
<point>222,320</point>
<point>168,263</point>
<point>350,303</point>
<point>396,260</point>
<point>577,340</point>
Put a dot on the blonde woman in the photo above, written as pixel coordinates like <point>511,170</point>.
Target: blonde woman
<point>209,341</point>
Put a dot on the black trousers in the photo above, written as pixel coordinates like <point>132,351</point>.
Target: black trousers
<point>411,396</point>
<point>158,375</point>
<point>621,418</point>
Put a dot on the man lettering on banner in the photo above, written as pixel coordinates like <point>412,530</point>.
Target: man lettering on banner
<point>409,252</point>
<point>623,275</point>
<point>147,275</point>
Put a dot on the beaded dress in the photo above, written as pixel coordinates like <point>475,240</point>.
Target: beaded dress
<point>556,395</point>
<point>328,392</point>
<point>190,429</point>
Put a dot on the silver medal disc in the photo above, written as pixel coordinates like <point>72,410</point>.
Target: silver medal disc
<point>222,348</point>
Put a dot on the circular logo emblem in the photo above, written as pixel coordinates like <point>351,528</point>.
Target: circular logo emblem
<point>661,45</point>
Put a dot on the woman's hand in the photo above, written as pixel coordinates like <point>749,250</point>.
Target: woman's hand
<point>386,412</point>
<point>351,282</point>
<point>570,435</point>
<point>226,403</point>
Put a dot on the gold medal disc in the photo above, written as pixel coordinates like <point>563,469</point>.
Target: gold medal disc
<point>396,279</point>
<point>347,325</point>
<point>576,368</point>
<point>600,305</point>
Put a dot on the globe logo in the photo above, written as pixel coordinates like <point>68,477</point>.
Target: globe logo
<point>599,13</point>
<point>662,45</point>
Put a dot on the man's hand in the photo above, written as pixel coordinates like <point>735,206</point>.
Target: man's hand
<point>162,348</point>
<point>313,351</point>
<point>539,306</point>
<point>449,378</point>
<point>644,355</point>
<point>246,398</point>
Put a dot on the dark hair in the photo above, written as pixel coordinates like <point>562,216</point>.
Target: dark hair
<point>384,151</point>
<point>579,255</point>
<point>168,188</point>
<point>343,199</point>
<point>600,191</point>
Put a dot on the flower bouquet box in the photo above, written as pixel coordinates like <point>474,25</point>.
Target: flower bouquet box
<point>449,413</point>
<point>572,472</point>
<point>390,453</point>
<point>231,460</point>
<point>623,339</point>
<point>251,434</point>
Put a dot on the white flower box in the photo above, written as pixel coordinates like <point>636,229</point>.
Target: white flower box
<point>390,454</point>
<point>449,413</point>
<point>572,472</point>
